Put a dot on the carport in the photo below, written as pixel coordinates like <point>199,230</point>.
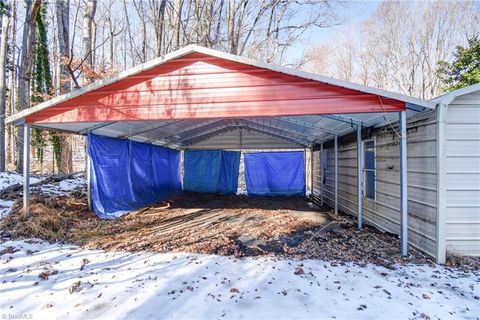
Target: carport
<point>199,98</point>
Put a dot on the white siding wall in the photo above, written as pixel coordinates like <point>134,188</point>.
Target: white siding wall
<point>384,211</point>
<point>462,175</point>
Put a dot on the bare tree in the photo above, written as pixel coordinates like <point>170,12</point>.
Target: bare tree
<point>176,22</point>
<point>88,37</point>
<point>3,83</point>
<point>92,38</point>
<point>10,152</point>
<point>62,10</point>
<point>25,68</point>
<point>399,47</point>
<point>141,13</point>
<point>157,9</point>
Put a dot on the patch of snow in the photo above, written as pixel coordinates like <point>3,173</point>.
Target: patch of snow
<point>241,191</point>
<point>10,178</point>
<point>63,281</point>
<point>5,207</point>
<point>63,187</point>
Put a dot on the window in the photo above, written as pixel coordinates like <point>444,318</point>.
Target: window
<point>369,169</point>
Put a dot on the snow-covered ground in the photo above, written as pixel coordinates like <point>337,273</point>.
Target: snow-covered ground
<point>7,179</point>
<point>63,187</point>
<point>39,280</point>
<point>47,281</point>
<point>10,178</point>
<point>54,189</point>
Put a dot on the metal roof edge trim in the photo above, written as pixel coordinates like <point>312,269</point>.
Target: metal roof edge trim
<point>447,98</point>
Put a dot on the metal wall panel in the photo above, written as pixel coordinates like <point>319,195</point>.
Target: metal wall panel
<point>243,139</point>
<point>462,149</point>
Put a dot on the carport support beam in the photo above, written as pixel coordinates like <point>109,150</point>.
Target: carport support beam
<point>311,173</point>
<point>89,174</point>
<point>403,182</point>
<point>321,174</point>
<point>26,170</point>
<point>359,176</point>
<point>336,173</point>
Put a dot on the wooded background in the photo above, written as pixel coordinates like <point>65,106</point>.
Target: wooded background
<point>48,48</point>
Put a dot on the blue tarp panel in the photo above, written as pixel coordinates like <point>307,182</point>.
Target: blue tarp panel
<point>211,171</point>
<point>229,172</point>
<point>127,175</point>
<point>275,173</point>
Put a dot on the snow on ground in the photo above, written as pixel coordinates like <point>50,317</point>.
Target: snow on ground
<point>63,187</point>
<point>10,178</point>
<point>5,207</point>
<point>53,189</point>
<point>7,179</point>
<point>45,281</point>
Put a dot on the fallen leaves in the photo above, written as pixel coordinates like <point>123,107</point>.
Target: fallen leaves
<point>44,275</point>
<point>298,271</point>
<point>85,261</point>
<point>8,249</point>
<point>212,224</point>
<point>75,287</point>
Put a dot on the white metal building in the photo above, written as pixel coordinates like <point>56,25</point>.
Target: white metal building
<point>459,171</point>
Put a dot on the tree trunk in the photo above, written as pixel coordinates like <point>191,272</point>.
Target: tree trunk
<point>231,27</point>
<point>3,65</point>
<point>160,26</point>
<point>66,163</point>
<point>88,36</point>
<point>177,21</point>
<point>62,12</point>
<point>25,68</point>
<point>11,86</point>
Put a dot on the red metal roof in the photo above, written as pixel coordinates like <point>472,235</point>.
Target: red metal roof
<point>199,86</point>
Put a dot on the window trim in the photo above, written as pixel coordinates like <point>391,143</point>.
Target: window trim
<point>364,170</point>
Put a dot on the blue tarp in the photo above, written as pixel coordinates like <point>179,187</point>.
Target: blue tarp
<point>211,171</point>
<point>127,175</point>
<point>275,173</point>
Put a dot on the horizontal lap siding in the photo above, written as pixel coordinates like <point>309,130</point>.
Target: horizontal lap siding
<point>462,149</point>
<point>384,211</point>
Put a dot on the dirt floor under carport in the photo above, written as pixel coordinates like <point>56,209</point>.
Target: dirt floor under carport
<point>227,225</point>
<point>212,224</point>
